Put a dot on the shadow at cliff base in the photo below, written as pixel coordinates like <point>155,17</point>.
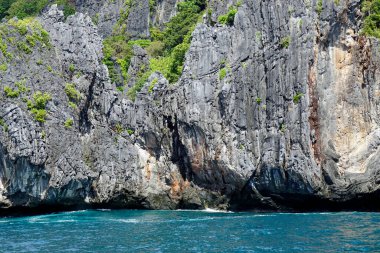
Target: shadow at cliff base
<point>307,203</point>
<point>49,209</point>
<point>289,203</point>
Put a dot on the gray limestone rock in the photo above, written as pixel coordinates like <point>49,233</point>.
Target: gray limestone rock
<point>289,126</point>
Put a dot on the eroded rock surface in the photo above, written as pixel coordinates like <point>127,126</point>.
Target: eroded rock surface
<point>289,126</point>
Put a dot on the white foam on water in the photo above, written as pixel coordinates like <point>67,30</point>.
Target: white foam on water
<point>64,221</point>
<point>210,210</point>
<point>127,220</point>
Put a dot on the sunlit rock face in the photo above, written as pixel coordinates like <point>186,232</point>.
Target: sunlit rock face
<point>277,111</point>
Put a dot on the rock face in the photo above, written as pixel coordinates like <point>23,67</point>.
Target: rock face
<point>293,124</point>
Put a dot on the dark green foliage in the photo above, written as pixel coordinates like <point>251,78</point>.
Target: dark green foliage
<point>258,100</point>
<point>371,24</point>
<point>228,18</point>
<point>181,25</point>
<point>167,48</point>
<point>67,5</point>
<point>25,8</point>
<point>117,51</point>
<point>4,6</point>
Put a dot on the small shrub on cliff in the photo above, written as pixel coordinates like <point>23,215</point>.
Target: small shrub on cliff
<point>297,97</point>
<point>319,7</point>
<point>3,125</point>
<point>11,93</point>
<point>69,123</point>
<point>3,67</point>
<point>37,106</point>
<point>258,100</point>
<point>228,18</point>
<point>72,68</point>
<point>222,73</point>
<point>72,93</point>
<point>285,42</point>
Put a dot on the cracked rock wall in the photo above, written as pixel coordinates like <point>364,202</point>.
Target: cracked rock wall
<point>289,126</point>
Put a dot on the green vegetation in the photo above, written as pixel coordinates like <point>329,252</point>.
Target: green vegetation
<point>24,47</point>
<point>130,131</point>
<point>258,100</point>
<point>32,34</point>
<point>117,51</point>
<point>73,105</point>
<point>3,67</point>
<point>11,93</point>
<point>95,19</point>
<point>67,5</point>
<point>69,123</point>
<point>371,24</point>
<point>319,7</point>
<point>26,8</point>
<point>71,92</point>
<point>37,106</point>
<point>229,17</point>
<point>222,73</point>
<point>285,42</point>
<point>297,97</point>
<point>72,68</point>
<point>167,47</point>
<point>14,93</point>
<point>2,124</point>
<point>151,86</point>
<point>119,128</point>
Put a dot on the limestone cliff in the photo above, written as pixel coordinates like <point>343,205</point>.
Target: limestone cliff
<point>292,123</point>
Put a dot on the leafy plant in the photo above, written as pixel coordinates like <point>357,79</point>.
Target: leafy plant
<point>297,97</point>
<point>3,67</point>
<point>371,24</point>
<point>71,68</point>
<point>69,123</point>
<point>72,93</point>
<point>285,42</point>
<point>37,106</point>
<point>319,7</point>
<point>228,18</point>
<point>222,73</point>
<point>10,93</point>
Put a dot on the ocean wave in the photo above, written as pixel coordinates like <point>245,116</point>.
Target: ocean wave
<point>127,220</point>
<point>210,210</point>
<point>64,221</point>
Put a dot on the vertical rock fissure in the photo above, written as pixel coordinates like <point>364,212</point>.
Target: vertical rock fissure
<point>84,122</point>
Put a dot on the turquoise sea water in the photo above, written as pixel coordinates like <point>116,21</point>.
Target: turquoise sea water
<point>191,231</point>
